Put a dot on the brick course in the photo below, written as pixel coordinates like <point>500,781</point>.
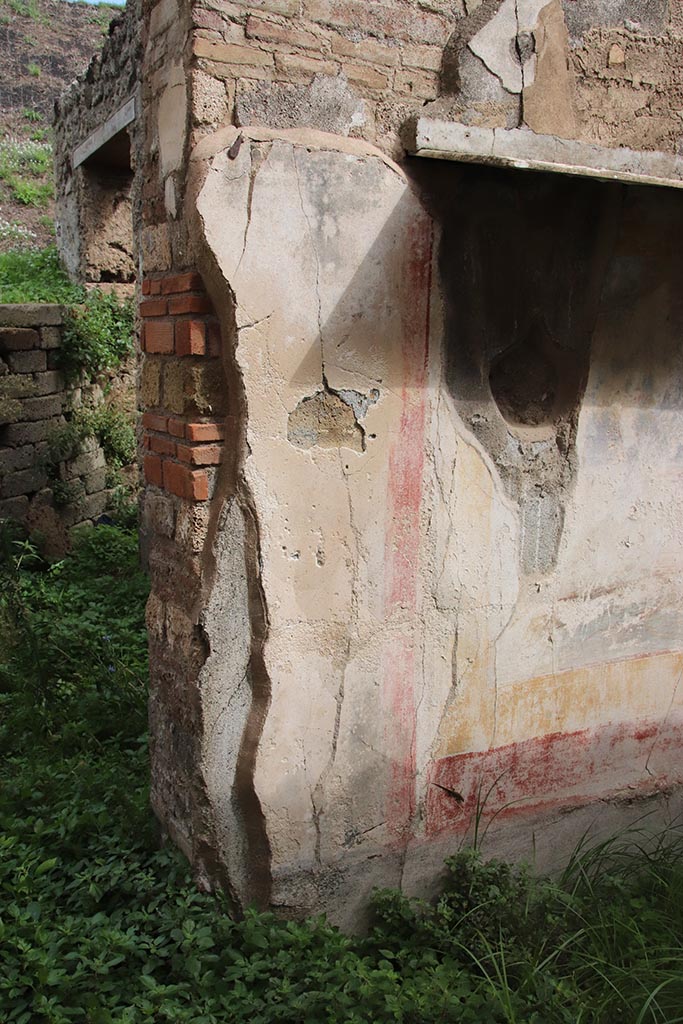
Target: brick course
<point>169,333</point>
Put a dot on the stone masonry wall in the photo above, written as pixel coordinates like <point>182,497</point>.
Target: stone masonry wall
<point>356,614</point>
<point>33,401</point>
<point>93,217</point>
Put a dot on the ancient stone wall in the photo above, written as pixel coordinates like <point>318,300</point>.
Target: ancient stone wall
<point>95,201</point>
<point>49,499</point>
<point>402,509</point>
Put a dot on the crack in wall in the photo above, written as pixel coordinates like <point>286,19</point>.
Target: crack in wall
<point>314,249</point>
<point>258,154</point>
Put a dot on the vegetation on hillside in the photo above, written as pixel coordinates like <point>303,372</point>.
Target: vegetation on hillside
<point>44,45</point>
<point>100,924</point>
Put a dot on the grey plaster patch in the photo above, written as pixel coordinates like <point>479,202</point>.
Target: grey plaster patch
<point>651,16</point>
<point>327,104</point>
<point>359,402</point>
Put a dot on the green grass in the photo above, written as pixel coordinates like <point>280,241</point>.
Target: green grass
<point>26,9</point>
<point>24,156</point>
<point>100,925</point>
<point>25,164</point>
<point>30,275</point>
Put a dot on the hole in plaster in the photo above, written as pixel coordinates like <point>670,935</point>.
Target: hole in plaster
<point>325,420</point>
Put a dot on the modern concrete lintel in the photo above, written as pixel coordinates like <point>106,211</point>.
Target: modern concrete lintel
<point>524,149</point>
<point>111,127</point>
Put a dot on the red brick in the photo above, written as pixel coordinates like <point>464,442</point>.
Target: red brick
<point>201,454</point>
<point>155,287</point>
<point>145,286</point>
<point>176,428</point>
<point>199,484</point>
<point>213,339</point>
<point>205,431</point>
<point>189,282</point>
<point>146,441</point>
<point>162,445</point>
<point>152,469</point>
<point>190,338</point>
<point>192,484</point>
<point>151,421</point>
<point>189,304</point>
<point>158,337</point>
<point>153,307</point>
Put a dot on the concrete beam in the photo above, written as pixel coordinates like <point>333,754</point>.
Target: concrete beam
<point>111,127</point>
<point>521,148</point>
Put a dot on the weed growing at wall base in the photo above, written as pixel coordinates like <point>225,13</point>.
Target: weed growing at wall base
<point>97,335</point>
<point>99,924</point>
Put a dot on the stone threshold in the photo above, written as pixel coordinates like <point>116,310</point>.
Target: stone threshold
<point>523,149</point>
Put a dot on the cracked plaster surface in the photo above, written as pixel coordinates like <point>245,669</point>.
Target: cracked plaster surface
<point>374,671</point>
<point>330,310</point>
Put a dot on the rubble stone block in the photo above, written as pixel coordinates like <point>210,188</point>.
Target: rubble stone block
<point>16,339</point>
<point>28,362</point>
<point>96,481</point>
<point>150,382</point>
<point>50,337</point>
<point>43,408</point>
<point>23,481</point>
<point>48,383</point>
<point>93,505</point>
<point>14,508</point>
<point>16,434</point>
<point>12,459</point>
<point>30,314</point>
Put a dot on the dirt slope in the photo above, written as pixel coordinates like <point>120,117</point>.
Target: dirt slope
<point>44,44</point>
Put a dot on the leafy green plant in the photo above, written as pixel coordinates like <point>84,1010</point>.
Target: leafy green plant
<point>74,628</point>
<point>123,506</point>
<point>36,276</point>
<point>31,193</point>
<point>34,70</point>
<point>97,335</point>
<point>114,430</point>
<point>100,924</point>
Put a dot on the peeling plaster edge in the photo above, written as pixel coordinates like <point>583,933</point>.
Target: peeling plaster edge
<point>308,138</point>
<point>254,887</point>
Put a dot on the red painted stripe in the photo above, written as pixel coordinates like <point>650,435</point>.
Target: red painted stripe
<point>402,535</point>
<point>559,769</point>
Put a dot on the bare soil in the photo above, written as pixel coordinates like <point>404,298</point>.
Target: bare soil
<point>44,45</point>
